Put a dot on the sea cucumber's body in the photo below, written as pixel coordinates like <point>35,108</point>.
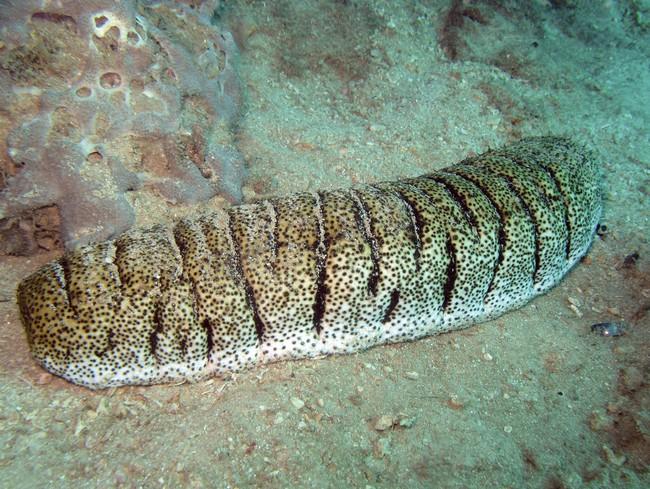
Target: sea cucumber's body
<point>316,273</point>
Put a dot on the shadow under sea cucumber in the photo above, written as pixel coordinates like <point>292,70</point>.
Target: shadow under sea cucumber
<point>316,273</point>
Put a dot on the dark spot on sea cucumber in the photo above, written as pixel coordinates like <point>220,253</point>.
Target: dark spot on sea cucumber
<point>394,299</point>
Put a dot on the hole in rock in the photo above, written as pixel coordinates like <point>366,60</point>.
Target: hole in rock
<point>110,80</point>
<point>94,157</point>
<point>133,37</point>
<point>101,21</point>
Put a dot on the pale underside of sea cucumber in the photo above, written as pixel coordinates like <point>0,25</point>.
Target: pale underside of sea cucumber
<point>316,273</point>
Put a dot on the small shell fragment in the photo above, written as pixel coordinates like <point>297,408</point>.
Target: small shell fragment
<point>384,422</point>
<point>297,403</point>
<point>608,329</point>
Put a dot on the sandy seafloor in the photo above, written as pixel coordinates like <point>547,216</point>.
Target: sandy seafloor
<point>339,93</point>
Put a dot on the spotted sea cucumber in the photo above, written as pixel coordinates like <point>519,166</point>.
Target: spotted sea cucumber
<point>316,273</point>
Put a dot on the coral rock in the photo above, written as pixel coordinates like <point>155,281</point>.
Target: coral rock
<point>103,98</point>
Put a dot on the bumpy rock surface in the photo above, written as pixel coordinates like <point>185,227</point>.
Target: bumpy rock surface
<point>100,99</point>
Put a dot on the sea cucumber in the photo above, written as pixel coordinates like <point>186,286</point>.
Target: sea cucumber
<point>316,273</point>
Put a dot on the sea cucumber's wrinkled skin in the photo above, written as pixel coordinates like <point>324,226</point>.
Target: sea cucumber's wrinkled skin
<point>316,273</point>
